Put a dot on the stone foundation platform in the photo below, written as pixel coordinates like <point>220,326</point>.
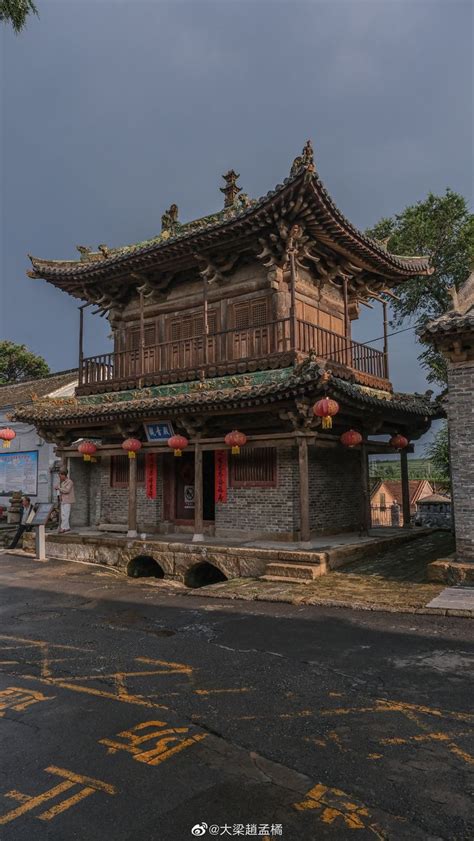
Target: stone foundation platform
<point>176,559</point>
<point>451,571</point>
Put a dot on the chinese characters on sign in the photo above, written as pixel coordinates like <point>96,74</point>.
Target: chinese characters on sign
<point>151,471</point>
<point>156,432</point>
<point>220,477</point>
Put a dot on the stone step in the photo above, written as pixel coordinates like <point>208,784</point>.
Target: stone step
<point>285,579</point>
<point>298,572</point>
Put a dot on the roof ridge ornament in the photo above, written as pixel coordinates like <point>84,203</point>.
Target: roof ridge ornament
<point>169,220</point>
<point>305,160</point>
<point>231,189</point>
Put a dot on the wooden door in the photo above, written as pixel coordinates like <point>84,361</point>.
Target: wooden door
<point>184,487</point>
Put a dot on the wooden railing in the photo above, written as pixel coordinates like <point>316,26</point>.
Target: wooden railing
<point>251,343</point>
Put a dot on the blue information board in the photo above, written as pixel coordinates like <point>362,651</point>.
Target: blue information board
<point>160,431</point>
<point>19,472</point>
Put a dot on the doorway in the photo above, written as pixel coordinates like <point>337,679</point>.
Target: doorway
<point>184,487</point>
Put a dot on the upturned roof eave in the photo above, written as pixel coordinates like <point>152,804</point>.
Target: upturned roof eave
<point>352,240</point>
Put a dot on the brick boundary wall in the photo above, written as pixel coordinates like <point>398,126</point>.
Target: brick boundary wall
<point>461,437</point>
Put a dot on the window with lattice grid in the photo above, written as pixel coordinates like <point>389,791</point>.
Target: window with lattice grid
<point>255,467</point>
<point>250,314</point>
<point>134,339</point>
<point>119,471</point>
<point>190,326</point>
<point>150,335</point>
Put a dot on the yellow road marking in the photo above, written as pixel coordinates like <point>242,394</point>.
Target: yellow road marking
<point>18,699</point>
<point>134,738</point>
<point>70,779</point>
<point>332,805</point>
<point>222,691</point>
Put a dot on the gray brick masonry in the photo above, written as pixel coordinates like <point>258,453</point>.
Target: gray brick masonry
<point>461,438</point>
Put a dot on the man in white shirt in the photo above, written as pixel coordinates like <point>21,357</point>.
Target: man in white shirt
<point>67,498</point>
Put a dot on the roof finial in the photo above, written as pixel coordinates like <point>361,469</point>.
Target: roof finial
<point>169,220</point>
<point>231,190</point>
<point>306,159</point>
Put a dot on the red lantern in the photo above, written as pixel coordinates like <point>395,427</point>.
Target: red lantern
<point>326,409</point>
<point>178,443</point>
<point>87,448</point>
<point>351,438</point>
<point>236,440</point>
<point>399,442</point>
<point>132,445</point>
<point>7,435</point>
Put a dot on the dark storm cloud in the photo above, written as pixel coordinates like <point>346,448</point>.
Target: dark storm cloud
<point>113,110</point>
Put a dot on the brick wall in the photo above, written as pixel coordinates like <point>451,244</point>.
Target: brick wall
<point>335,491</point>
<point>264,510</point>
<point>114,501</point>
<point>461,436</point>
<point>86,480</point>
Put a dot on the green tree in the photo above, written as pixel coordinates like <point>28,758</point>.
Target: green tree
<point>438,451</point>
<point>441,228</point>
<point>18,364</point>
<point>16,12</point>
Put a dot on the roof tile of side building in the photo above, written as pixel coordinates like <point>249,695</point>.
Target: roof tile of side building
<point>224,393</point>
<point>304,175</point>
<point>14,394</point>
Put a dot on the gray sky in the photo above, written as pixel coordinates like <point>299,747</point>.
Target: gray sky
<point>113,110</point>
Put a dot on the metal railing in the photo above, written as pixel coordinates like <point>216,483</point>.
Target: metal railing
<point>236,345</point>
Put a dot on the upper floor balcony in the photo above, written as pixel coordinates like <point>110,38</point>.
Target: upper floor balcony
<point>275,344</point>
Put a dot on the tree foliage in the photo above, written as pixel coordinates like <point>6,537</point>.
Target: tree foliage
<point>16,12</point>
<point>441,228</point>
<point>438,451</point>
<point>18,364</point>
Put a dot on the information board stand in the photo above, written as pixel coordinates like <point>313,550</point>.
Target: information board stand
<point>39,520</point>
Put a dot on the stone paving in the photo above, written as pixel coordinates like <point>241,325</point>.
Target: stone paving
<point>392,581</point>
<point>455,598</point>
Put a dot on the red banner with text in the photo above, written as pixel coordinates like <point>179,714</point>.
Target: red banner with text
<point>151,474</point>
<point>221,471</point>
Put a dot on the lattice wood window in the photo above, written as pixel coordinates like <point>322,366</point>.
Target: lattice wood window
<point>134,340</point>
<point>191,325</point>
<point>119,471</point>
<point>250,314</point>
<point>150,334</point>
<point>254,468</point>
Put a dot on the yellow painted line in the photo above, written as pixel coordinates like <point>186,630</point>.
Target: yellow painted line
<point>171,667</point>
<point>33,802</point>
<point>461,753</point>
<point>382,706</point>
<point>65,804</point>
<point>100,693</point>
<point>41,642</point>
<point>99,785</point>
<point>332,805</point>
<point>222,691</point>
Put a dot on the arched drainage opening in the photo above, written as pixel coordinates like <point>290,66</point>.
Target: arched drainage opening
<point>144,566</point>
<point>201,575</point>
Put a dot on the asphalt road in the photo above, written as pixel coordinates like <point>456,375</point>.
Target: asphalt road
<point>131,711</point>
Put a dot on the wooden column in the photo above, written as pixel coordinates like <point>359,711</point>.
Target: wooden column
<point>293,315</point>
<point>206,322</point>
<point>347,360</point>
<point>198,535</point>
<point>132,497</point>
<point>81,342</point>
<point>385,338</point>
<point>405,489</point>
<point>142,340</point>
<point>305,532</point>
<point>364,476</point>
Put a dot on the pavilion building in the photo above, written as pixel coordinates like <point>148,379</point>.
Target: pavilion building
<point>240,320</point>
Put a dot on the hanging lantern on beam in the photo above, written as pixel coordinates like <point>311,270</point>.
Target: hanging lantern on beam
<point>7,435</point>
<point>87,448</point>
<point>132,446</point>
<point>236,440</point>
<point>399,442</point>
<point>351,438</point>
<point>326,409</point>
<point>178,443</point>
